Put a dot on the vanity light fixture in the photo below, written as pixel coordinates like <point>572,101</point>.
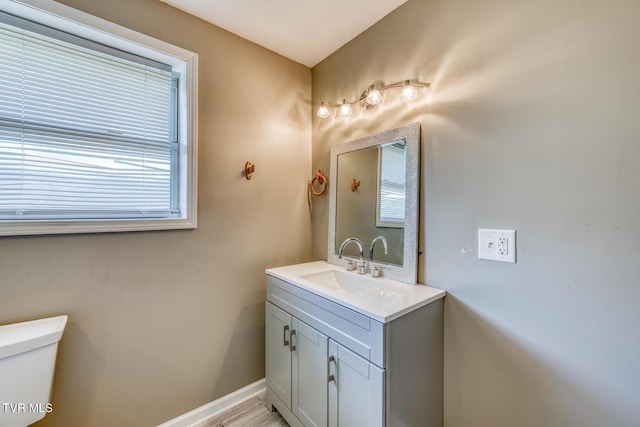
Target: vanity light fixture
<point>372,96</point>
<point>345,108</point>
<point>409,92</point>
<point>324,111</point>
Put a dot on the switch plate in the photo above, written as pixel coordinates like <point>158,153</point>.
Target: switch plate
<point>497,245</point>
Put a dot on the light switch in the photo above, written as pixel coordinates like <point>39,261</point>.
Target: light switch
<point>497,245</point>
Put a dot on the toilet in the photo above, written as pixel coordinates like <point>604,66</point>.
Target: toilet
<point>27,361</point>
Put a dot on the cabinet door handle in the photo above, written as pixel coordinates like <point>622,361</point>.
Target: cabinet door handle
<point>284,335</point>
<point>329,376</point>
<point>291,335</point>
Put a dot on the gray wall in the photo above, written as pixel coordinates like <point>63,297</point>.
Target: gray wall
<point>163,322</point>
<point>532,124</point>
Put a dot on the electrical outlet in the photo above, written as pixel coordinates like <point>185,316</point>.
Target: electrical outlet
<point>497,245</point>
<point>503,245</point>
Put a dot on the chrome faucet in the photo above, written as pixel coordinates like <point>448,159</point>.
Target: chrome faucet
<point>362,268</point>
<point>375,271</point>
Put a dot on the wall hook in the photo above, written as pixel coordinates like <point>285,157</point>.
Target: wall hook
<point>249,168</point>
<point>322,179</point>
<point>354,184</point>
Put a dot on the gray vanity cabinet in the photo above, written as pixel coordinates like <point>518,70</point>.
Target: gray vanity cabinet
<point>356,392</point>
<point>278,352</point>
<point>295,356</point>
<point>319,381</point>
<point>329,365</point>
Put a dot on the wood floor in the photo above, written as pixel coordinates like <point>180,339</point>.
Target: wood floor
<point>252,413</point>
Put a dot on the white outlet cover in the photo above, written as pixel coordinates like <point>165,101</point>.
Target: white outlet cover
<point>497,245</point>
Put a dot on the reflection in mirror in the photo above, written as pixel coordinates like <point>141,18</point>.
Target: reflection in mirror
<point>391,180</point>
<point>375,193</point>
<point>358,213</point>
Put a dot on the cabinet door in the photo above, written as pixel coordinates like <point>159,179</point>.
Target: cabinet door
<point>278,352</point>
<point>356,394</point>
<point>309,370</point>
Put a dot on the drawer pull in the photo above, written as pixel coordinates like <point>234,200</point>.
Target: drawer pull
<point>329,376</point>
<point>291,346</point>
<point>284,335</point>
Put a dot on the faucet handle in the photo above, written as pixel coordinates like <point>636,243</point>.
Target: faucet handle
<point>362,268</point>
<point>351,265</point>
<point>375,271</point>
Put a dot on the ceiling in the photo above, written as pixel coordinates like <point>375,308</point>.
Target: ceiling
<point>305,31</point>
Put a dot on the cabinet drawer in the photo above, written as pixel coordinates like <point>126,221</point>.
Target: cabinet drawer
<point>353,330</point>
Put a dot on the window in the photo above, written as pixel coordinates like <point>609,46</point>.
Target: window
<point>97,126</point>
<point>392,180</point>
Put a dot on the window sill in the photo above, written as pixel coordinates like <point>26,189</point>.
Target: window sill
<point>25,228</point>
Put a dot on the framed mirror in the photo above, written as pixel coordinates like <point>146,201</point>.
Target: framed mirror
<point>375,193</point>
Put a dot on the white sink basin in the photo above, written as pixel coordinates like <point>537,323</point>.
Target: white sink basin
<point>381,299</point>
<point>341,281</point>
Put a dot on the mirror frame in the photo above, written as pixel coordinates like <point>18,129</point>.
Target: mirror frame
<point>408,271</point>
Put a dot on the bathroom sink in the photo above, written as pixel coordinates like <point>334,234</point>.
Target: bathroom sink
<point>342,281</point>
<point>381,298</point>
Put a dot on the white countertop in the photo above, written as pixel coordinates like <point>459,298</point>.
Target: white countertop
<point>388,300</point>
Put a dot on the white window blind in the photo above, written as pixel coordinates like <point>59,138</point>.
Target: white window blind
<point>391,197</point>
<point>86,131</point>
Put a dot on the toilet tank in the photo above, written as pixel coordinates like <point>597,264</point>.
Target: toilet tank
<point>27,361</point>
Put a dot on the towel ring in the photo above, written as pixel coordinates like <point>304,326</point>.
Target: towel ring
<point>322,179</point>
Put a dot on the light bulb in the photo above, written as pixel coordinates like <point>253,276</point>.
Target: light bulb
<point>373,96</point>
<point>345,108</point>
<point>409,92</point>
<point>323,111</point>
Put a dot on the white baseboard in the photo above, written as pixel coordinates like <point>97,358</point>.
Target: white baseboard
<point>218,406</point>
